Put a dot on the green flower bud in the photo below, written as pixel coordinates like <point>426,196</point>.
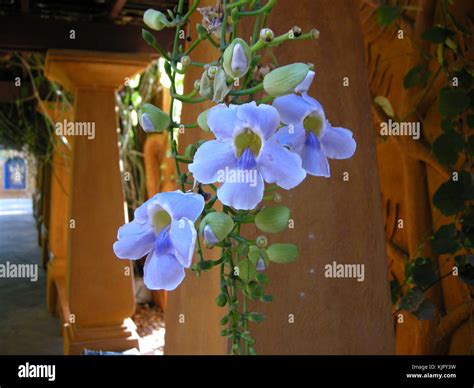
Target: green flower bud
<point>261,241</point>
<point>273,219</point>
<point>236,59</point>
<point>285,79</point>
<point>153,119</point>
<point>314,33</point>
<point>148,37</point>
<point>206,86</point>
<point>190,151</point>
<point>259,258</point>
<point>215,227</point>
<point>201,30</point>
<point>197,84</point>
<point>267,35</point>
<point>155,20</point>
<point>202,120</point>
<point>221,89</point>
<point>185,61</point>
<point>212,71</point>
<point>282,253</point>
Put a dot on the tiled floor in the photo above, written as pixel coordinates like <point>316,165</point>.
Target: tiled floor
<point>25,325</point>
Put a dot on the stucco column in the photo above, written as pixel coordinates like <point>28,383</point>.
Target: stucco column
<point>337,219</point>
<point>98,287</point>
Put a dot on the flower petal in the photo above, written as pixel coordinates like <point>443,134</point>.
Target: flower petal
<point>262,118</point>
<point>337,143</point>
<point>279,165</point>
<point>179,204</point>
<point>132,228</point>
<point>222,121</point>
<point>314,161</point>
<point>162,272</point>
<point>183,237</point>
<point>313,102</point>
<point>242,195</point>
<point>292,108</point>
<point>141,212</point>
<point>210,158</point>
<point>134,247</point>
<point>304,86</point>
<point>292,136</point>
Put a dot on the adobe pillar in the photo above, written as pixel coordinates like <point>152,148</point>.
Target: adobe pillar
<point>98,287</point>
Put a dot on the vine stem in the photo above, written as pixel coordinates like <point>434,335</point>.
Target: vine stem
<point>171,127</point>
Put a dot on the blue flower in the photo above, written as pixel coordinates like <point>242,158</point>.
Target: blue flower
<point>308,133</point>
<point>163,229</point>
<point>245,154</point>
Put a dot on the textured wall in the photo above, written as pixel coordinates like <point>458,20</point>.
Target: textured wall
<point>335,220</point>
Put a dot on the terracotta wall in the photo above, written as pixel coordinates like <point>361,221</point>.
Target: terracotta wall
<point>335,220</point>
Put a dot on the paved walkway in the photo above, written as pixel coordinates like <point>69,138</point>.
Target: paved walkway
<point>25,325</point>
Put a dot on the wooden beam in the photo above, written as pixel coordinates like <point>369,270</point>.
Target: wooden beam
<point>30,33</point>
<point>116,8</point>
<point>25,6</point>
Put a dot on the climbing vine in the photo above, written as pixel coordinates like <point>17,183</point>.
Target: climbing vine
<point>445,70</point>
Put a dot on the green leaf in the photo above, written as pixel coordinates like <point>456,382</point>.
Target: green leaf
<point>467,228</point>
<point>226,332</point>
<point>256,317</point>
<point>447,146</point>
<point>451,195</point>
<point>470,145</point>
<point>464,78</point>
<point>224,320</point>
<point>436,34</point>
<point>221,300</point>
<point>412,300</point>
<point>266,298</point>
<point>273,219</point>
<point>417,76</point>
<point>247,270</point>
<point>385,105</point>
<point>466,272</point>
<point>243,248</point>
<point>282,253</point>
<point>408,271</point>
<point>470,121</point>
<point>445,240</point>
<point>261,278</point>
<point>395,290</point>
<point>255,290</point>
<point>205,265</point>
<point>202,121</point>
<point>247,338</point>
<point>426,311</point>
<point>423,272</point>
<point>447,125</point>
<point>453,102</point>
<point>387,14</point>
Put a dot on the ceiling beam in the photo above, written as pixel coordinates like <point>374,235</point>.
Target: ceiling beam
<point>30,33</point>
<point>116,8</point>
<point>25,6</point>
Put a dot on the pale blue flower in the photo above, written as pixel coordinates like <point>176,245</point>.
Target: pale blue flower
<point>308,133</point>
<point>163,229</point>
<point>245,154</point>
